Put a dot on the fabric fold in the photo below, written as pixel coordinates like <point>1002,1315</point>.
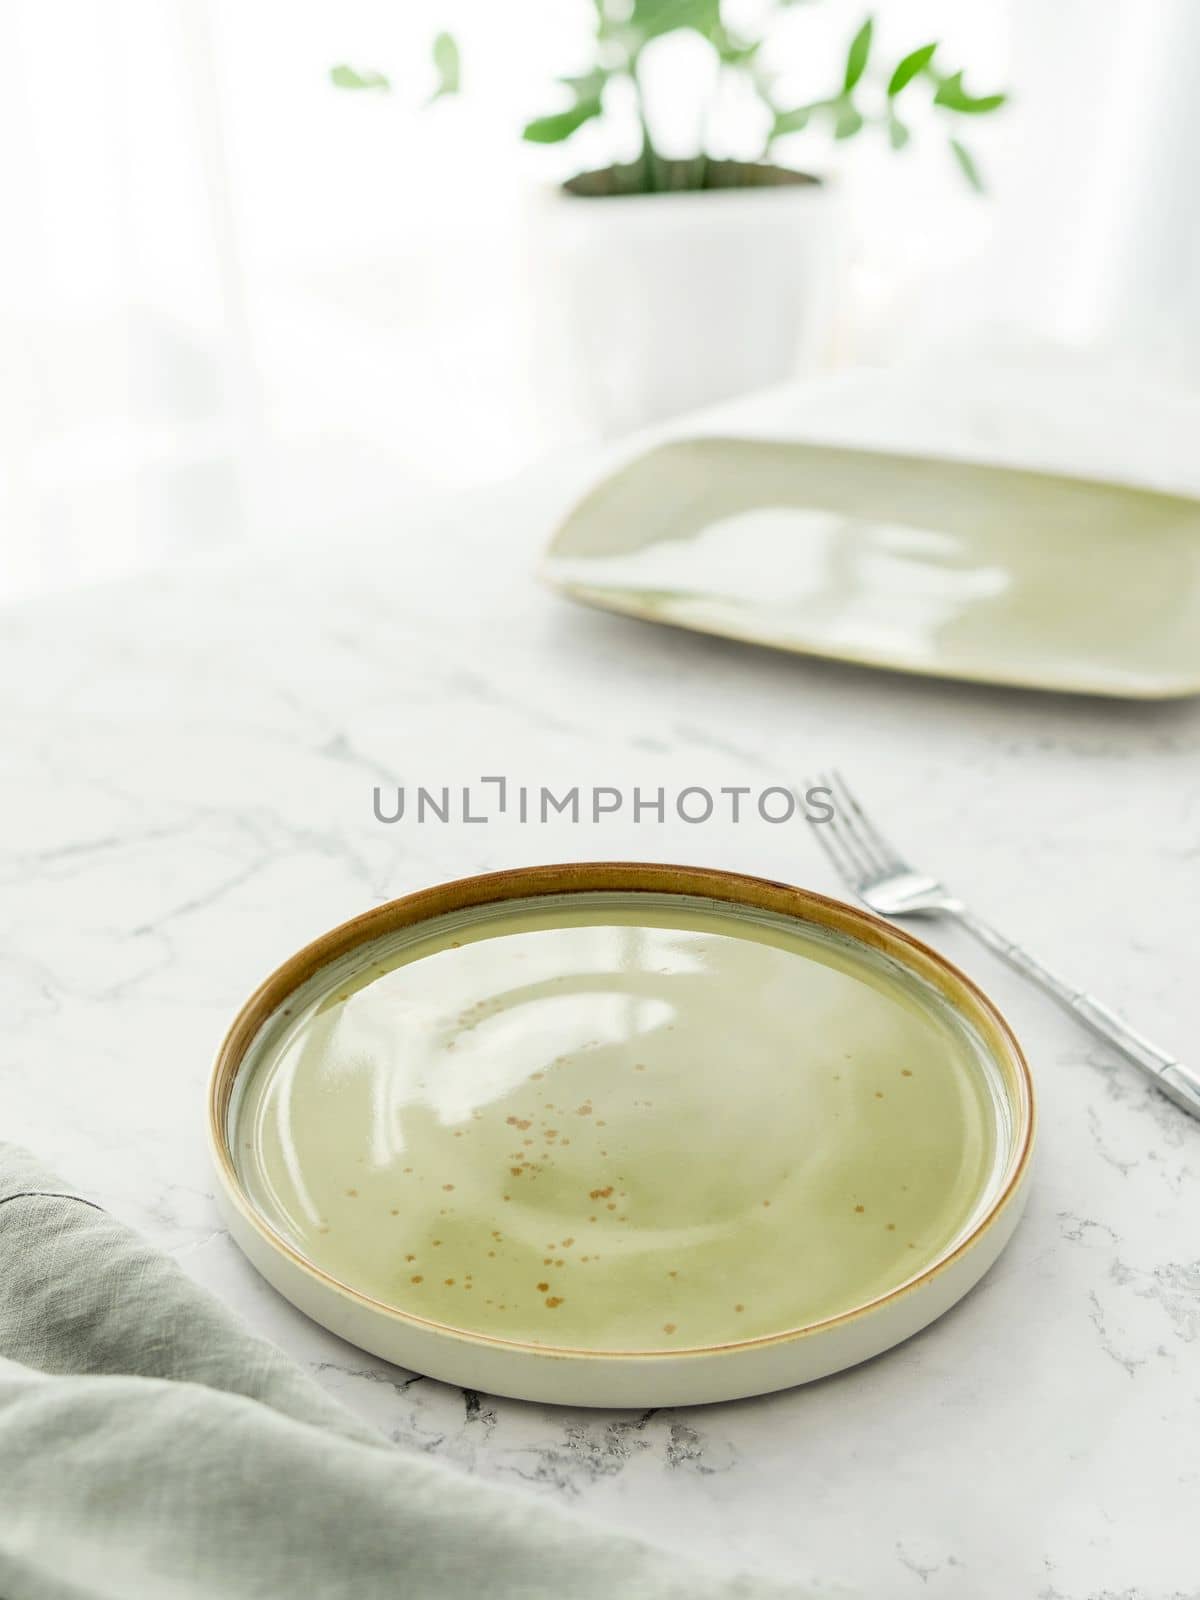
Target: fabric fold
<point>154,1447</point>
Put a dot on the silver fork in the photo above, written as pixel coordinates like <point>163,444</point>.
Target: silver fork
<point>886,883</point>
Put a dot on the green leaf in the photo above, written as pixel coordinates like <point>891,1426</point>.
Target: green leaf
<point>561,124</point>
<point>858,54</point>
<point>847,122</point>
<point>344,77</point>
<point>447,64</point>
<point>898,134</point>
<point>651,18</point>
<point>906,70</point>
<point>791,121</point>
<point>954,97</point>
<point>966,164</point>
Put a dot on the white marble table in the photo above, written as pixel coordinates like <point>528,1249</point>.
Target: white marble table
<point>188,772</point>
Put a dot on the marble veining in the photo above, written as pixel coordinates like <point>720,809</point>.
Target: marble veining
<point>188,763</point>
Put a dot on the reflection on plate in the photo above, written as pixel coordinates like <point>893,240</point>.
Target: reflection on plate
<point>940,567</point>
<point>611,1128</point>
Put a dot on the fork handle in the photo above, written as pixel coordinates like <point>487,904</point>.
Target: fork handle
<point>1174,1079</point>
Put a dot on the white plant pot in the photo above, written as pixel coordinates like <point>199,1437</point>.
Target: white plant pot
<point>664,303</point>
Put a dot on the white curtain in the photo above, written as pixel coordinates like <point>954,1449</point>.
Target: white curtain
<point>1099,236</point>
<point>236,302</point>
<point>125,387</point>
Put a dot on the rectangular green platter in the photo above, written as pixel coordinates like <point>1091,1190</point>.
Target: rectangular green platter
<point>947,568</point>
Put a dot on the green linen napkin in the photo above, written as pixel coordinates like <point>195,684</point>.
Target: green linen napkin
<point>152,1447</point>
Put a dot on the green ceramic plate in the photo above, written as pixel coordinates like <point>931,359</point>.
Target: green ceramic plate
<point>920,565</point>
<point>621,1122</point>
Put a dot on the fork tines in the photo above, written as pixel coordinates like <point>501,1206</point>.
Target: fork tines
<point>854,845</point>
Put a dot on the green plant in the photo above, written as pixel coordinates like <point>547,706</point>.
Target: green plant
<point>868,96</point>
